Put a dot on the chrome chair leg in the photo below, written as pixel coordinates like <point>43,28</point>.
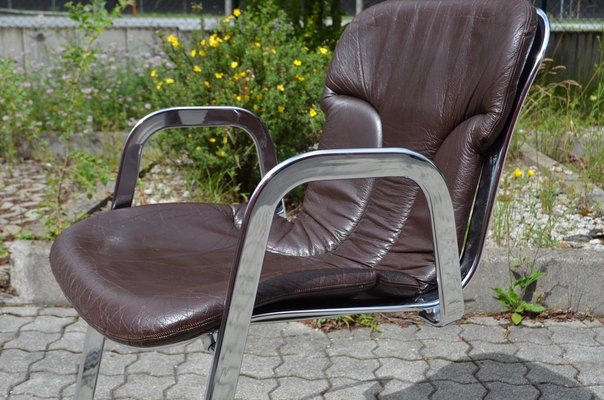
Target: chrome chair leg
<point>90,364</point>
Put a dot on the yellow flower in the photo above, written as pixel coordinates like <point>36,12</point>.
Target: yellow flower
<point>158,86</point>
<point>517,173</point>
<point>234,64</point>
<point>196,68</point>
<point>259,96</point>
<point>280,109</point>
<point>237,12</point>
<point>242,74</point>
<point>214,40</point>
<point>212,140</point>
<point>312,112</point>
<point>300,78</point>
<point>221,153</point>
<point>203,43</point>
<point>258,44</point>
<point>280,87</point>
<point>255,107</point>
<point>201,53</point>
<point>273,51</point>
<point>218,75</point>
<point>193,53</point>
<point>323,50</point>
<point>169,81</point>
<point>297,63</point>
<point>228,19</point>
<point>198,148</point>
<point>206,84</point>
<point>227,37</point>
<point>238,98</point>
<point>593,97</point>
<point>530,172</point>
<point>153,73</point>
<point>173,40</point>
<point>225,140</point>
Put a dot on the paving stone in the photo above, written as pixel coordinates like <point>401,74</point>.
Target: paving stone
<point>399,390</point>
<point>350,389</point>
<point>490,334</point>
<point>114,364</point>
<point>58,311</point>
<point>12,323</point>
<point>572,335</point>
<point>252,389</point>
<point>47,323</point>
<point>269,329</point>
<point>448,350</point>
<point>70,341</point>
<point>599,335</point>
<point>555,392</point>
<point>156,364</point>
<point>523,334</point>
<point>18,361</point>
<point>32,341</point>
<point>57,362</point>
<point>7,381</point>
<point>407,350</point>
<point>446,390</point>
<point>264,367</point>
<point>506,391</point>
<point>348,367</point>
<point>449,333</point>
<point>360,348</point>
<point>188,386</point>
<point>295,388</point>
<point>143,386</point>
<point>301,366</point>
<point>295,345</point>
<point>583,354</point>
<point>591,374</point>
<point>197,363</point>
<point>539,353</point>
<point>562,375</point>
<point>481,350</point>
<point>391,330</point>
<point>598,392</point>
<point>272,346</point>
<point>394,368</point>
<point>23,311</point>
<point>42,384</point>
<point>494,371</point>
<point>460,372</point>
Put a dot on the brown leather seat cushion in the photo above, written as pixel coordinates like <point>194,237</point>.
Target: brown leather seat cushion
<point>157,274</point>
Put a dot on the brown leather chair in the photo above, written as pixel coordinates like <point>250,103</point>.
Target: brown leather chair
<point>420,100</point>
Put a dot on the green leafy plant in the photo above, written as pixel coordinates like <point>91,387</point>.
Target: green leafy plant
<point>512,298</point>
<point>254,60</point>
<point>371,321</point>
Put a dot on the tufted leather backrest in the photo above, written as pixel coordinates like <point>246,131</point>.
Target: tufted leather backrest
<point>439,79</point>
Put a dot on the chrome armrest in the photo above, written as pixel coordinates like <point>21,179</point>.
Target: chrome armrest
<point>180,117</point>
<point>318,166</point>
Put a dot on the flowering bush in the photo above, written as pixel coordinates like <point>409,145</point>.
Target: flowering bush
<point>17,129</point>
<point>253,60</point>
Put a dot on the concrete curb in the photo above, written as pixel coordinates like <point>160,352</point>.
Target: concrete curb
<point>573,281</point>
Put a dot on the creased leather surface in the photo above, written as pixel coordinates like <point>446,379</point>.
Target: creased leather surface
<point>435,76</point>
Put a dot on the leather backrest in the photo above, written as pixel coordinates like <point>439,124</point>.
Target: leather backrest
<point>435,76</point>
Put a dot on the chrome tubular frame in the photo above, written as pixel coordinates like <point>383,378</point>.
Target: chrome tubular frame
<point>319,166</point>
<point>181,117</point>
<point>90,364</point>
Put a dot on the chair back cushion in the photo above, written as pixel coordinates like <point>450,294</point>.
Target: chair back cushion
<point>435,76</point>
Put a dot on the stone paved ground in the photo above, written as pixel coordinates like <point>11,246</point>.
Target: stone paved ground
<point>481,358</point>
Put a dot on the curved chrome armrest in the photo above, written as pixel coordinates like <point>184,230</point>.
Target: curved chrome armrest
<point>180,117</point>
<point>318,166</point>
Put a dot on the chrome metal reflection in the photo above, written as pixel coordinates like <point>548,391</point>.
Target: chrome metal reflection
<point>90,365</point>
<point>180,117</point>
<point>327,165</point>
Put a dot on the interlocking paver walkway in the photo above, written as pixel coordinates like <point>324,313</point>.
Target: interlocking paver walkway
<point>481,358</point>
